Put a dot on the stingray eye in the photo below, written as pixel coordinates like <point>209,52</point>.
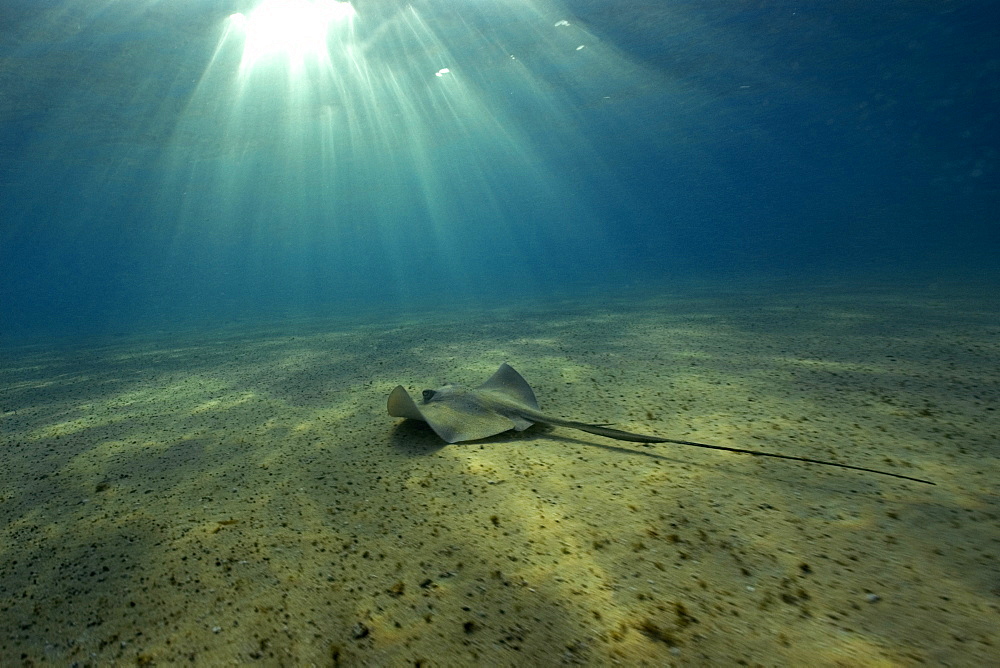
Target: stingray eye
<point>428,395</point>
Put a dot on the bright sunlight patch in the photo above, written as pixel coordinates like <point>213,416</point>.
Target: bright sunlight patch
<point>293,29</point>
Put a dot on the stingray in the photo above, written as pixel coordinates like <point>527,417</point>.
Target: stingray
<point>506,401</point>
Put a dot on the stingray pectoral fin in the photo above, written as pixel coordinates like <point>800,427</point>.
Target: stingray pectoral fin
<point>509,383</point>
<point>520,423</point>
<point>401,405</point>
<point>454,415</point>
<point>458,422</point>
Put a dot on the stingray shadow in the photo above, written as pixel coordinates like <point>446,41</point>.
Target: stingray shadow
<point>416,438</point>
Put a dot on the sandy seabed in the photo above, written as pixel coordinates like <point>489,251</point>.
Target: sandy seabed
<point>240,495</point>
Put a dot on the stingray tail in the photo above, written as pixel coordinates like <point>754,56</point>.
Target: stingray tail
<point>601,430</point>
<point>620,435</point>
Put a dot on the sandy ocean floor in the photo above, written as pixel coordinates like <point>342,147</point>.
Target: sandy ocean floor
<point>241,495</point>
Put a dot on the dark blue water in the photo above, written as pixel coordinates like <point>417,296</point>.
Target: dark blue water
<point>157,169</point>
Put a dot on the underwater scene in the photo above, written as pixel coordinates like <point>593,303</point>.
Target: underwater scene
<point>499,333</point>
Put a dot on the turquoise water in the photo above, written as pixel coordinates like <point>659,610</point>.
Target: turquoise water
<point>208,161</point>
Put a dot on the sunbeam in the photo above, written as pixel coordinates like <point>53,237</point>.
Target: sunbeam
<point>294,29</point>
<point>390,128</point>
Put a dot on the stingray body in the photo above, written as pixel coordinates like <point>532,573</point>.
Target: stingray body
<point>502,403</point>
<point>506,401</point>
